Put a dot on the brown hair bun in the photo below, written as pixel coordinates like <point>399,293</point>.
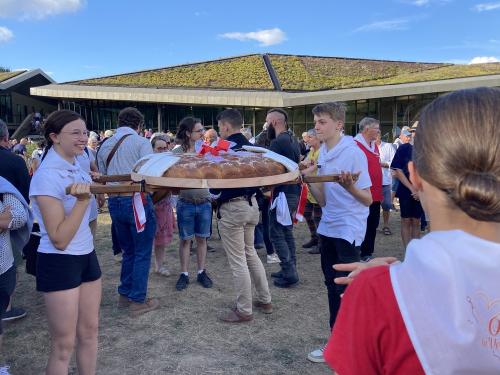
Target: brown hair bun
<point>457,150</point>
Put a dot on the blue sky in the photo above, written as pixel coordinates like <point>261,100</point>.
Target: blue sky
<point>75,39</point>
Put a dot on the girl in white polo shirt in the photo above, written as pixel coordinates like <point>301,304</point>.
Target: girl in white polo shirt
<point>68,271</point>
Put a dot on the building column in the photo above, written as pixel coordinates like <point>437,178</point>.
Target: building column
<point>253,123</point>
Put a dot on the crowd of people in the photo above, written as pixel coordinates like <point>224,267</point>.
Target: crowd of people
<point>446,177</point>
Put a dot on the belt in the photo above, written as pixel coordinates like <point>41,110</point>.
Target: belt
<point>236,199</point>
<point>247,198</point>
<point>120,195</point>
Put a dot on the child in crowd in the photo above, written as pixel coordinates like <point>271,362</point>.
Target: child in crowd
<point>68,271</point>
<point>164,215</point>
<point>344,204</point>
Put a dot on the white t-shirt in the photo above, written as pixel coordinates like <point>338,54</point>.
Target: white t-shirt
<point>387,152</point>
<point>448,293</point>
<point>51,179</point>
<point>343,216</point>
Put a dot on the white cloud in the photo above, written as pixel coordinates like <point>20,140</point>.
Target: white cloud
<point>38,9</point>
<point>265,37</point>
<point>397,24</point>
<point>486,6</point>
<point>419,3</point>
<point>5,34</point>
<point>483,60</point>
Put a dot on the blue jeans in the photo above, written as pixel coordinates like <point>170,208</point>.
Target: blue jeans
<point>194,220</point>
<point>136,247</point>
<point>262,229</point>
<point>283,241</point>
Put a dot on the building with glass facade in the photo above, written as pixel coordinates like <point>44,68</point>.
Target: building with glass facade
<point>16,102</point>
<point>391,91</point>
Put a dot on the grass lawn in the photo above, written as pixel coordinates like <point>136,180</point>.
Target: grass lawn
<point>184,335</point>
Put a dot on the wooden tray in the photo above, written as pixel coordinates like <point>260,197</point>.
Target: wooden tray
<point>139,183</point>
<point>228,183</point>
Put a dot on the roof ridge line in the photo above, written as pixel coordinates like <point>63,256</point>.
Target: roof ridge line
<point>168,67</point>
<point>359,58</point>
<point>272,73</point>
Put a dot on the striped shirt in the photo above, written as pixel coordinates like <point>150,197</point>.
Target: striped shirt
<point>128,153</point>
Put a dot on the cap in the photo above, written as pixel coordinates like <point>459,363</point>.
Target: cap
<point>406,132</point>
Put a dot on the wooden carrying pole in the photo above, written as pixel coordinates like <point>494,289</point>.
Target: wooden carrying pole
<point>138,187</point>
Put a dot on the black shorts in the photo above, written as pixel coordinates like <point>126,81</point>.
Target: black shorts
<point>7,285</point>
<point>410,208</point>
<point>56,272</point>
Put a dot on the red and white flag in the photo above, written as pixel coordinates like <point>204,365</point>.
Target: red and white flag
<point>299,215</point>
<point>139,212</point>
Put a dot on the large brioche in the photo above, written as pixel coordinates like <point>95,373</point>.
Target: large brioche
<point>224,166</point>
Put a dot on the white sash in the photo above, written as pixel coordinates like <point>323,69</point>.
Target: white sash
<point>448,292</point>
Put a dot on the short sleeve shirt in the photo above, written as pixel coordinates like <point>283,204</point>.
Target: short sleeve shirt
<point>369,335</point>
<point>343,216</point>
<point>51,179</point>
<point>400,161</point>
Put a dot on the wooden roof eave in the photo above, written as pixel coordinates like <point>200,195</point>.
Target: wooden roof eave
<point>245,98</point>
<point>392,90</point>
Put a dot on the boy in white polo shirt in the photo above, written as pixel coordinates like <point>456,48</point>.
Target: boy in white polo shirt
<point>344,204</point>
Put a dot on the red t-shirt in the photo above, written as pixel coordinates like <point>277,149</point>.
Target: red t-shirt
<point>375,172</point>
<point>369,336</point>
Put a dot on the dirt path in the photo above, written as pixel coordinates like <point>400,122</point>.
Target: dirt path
<point>184,336</point>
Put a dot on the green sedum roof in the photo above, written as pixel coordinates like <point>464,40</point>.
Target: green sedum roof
<point>246,72</point>
<point>7,75</point>
<point>293,73</point>
<point>445,72</point>
<point>307,73</point>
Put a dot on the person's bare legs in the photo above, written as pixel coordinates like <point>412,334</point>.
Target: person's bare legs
<point>201,252</point>
<point>385,215</point>
<point>410,229</point>
<point>159,257</point>
<point>87,327</point>
<point>62,316</point>
<point>184,249</point>
<point>415,228</point>
<point>406,230</point>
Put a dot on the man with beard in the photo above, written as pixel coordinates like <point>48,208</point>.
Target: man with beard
<point>283,143</point>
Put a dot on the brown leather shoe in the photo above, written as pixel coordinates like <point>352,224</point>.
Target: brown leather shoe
<point>266,308</point>
<point>123,302</point>
<point>136,309</point>
<point>234,316</point>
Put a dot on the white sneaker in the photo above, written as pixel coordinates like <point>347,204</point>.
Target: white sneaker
<point>163,270</point>
<point>4,370</point>
<point>273,258</point>
<point>316,356</point>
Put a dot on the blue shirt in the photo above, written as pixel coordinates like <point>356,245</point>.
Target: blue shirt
<point>401,159</point>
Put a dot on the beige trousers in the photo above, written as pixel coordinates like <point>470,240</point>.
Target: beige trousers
<point>236,227</point>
